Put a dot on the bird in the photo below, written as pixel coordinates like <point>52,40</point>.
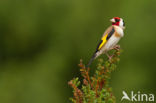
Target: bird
<point>110,38</point>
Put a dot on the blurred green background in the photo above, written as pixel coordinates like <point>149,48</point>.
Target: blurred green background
<point>42,41</point>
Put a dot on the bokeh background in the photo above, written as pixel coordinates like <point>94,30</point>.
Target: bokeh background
<point>42,41</point>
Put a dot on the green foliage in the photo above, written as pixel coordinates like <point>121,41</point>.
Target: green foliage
<point>40,41</point>
<point>95,89</point>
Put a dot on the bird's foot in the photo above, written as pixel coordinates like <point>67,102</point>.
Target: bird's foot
<point>117,47</point>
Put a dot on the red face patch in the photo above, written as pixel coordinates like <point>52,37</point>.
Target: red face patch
<point>117,21</point>
<point>117,18</point>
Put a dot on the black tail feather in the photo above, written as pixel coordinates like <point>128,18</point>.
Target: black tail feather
<point>91,60</point>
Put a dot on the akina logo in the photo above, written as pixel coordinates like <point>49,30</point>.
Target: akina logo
<point>137,97</point>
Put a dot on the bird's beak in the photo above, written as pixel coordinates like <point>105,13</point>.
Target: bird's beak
<point>112,20</point>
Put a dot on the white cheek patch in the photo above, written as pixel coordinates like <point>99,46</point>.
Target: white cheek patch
<point>121,23</point>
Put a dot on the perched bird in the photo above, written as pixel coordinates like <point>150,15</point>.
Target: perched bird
<point>110,38</point>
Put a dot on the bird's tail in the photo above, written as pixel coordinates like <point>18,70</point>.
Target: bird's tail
<point>91,60</point>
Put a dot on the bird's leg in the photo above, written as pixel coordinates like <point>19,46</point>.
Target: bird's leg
<point>116,47</point>
<point>110,57</point>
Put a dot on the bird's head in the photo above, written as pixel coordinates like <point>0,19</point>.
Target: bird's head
<point>118,22</point>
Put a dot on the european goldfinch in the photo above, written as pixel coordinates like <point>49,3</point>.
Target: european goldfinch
<point>110,38</point>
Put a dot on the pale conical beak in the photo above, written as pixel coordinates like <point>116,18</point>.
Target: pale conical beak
<point>112,20</point>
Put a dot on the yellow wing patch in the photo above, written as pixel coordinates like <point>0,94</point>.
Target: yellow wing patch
<point>103,41</point>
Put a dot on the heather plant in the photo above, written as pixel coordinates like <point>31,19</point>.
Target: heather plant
<point>95,88</point>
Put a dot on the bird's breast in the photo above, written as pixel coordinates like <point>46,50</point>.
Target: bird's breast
<point>111,42</point>
<point>117,35</point>
<point>118,31</point>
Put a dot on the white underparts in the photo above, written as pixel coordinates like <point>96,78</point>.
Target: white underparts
<point>113,40</point>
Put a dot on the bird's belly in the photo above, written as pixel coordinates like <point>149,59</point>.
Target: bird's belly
<point>111,43</point>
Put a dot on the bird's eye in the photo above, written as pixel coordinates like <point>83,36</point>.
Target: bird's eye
<point>117,20</point>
